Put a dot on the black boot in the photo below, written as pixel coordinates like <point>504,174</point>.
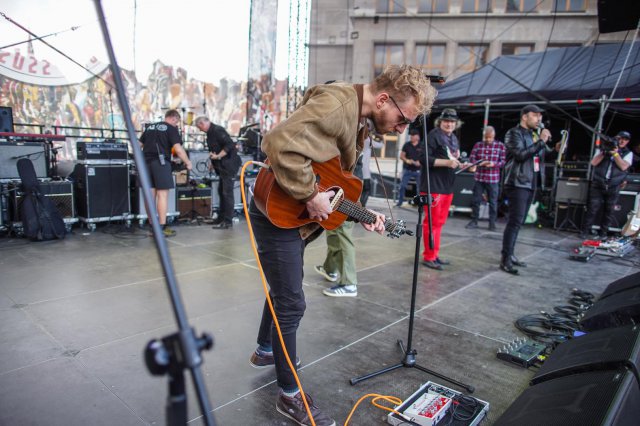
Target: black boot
<point>516,262</point>
<point>507,265</point>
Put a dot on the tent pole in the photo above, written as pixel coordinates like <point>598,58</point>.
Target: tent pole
<point>487,104</point>
<point>603,107</point>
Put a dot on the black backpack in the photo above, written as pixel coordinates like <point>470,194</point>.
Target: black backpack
<point>40,219</point>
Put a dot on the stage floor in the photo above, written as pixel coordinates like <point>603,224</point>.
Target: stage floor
<point>76,314</point>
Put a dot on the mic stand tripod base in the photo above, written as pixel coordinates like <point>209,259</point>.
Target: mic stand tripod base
<point>409,361</point>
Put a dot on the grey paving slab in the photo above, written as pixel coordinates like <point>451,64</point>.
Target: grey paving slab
<point>60,392</point>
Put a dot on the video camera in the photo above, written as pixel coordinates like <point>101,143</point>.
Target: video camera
<point>608,143</point>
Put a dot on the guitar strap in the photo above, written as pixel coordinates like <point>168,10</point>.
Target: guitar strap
<point>363,130</point>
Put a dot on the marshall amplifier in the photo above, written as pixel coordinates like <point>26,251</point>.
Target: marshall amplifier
<point>572,190</point>
<point>102,151</point>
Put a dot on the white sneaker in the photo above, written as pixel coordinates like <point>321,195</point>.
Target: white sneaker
<point>341,291</point>
<point>329,276</point>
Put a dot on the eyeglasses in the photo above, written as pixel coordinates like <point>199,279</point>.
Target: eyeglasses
<point>405,120</point>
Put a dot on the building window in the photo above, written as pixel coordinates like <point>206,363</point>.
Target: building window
<point>391,6</point>
<point>433,6</point>
<point>570,5</point>
<point>561,45</point>
<point>470,6</point>
<point>516,49</point>
<point>387,54</point>
<point>430,58</point>
<point>471,56</point>
<point>522,5</point>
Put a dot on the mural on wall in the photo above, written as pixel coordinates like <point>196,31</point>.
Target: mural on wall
<point>41,96</point>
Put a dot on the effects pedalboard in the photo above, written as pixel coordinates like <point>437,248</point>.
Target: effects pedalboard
<point>434,404</point>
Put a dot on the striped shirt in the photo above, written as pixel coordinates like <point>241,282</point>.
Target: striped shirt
<point>494,152</point>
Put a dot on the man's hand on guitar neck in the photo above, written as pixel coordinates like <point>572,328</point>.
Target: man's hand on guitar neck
<point>378,226</point>
<point>319,207</point>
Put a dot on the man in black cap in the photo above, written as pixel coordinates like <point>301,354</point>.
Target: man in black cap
<point>523,173</point>
<point>412,152</point>
<point>610,167</point>
<point>444,158</point>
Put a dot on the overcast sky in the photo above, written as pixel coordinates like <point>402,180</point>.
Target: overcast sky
<point>209,38</point>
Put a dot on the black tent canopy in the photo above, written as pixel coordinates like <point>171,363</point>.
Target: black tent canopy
<point>565,74</point>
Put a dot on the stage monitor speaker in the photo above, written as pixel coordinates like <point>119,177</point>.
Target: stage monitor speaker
<point>593,398</point>
<point>463,192</point>
<point>6,119</point>
<point>616,310</point>
<point>199,165</point>
<point>59,192</point>
<point>599,350</point>
<point>618,15</point>
<point>11,152</point>
<point>574,191</point>
<point>622,284</point>
<point>102,191</point>
<point>194,200</point>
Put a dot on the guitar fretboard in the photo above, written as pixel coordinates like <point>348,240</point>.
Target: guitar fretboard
<point>361,214</point>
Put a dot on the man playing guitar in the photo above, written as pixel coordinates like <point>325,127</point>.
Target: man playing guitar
<point>328,126</point>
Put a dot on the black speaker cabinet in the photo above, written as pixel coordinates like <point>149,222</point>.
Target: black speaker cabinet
<point>606,349</point>
<point>463,192</point>
<point>196,201</point>
<point>622,284</point>
<point>10,152</point>
<point>102,191</point>
<point>572,190</point>
<point>59,192</point>
<point>616,310</point>
<point>6,119</point>
<point>593,398</point>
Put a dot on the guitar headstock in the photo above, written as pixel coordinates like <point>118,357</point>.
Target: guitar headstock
<point>397,229</point>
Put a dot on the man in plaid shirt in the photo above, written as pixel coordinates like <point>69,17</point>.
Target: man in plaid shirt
<point>487,176</point>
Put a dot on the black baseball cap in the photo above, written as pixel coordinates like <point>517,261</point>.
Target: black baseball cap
<point>530,108</point>
<point>624,134</point>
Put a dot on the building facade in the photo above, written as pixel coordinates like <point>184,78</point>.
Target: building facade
<point>353,40</point>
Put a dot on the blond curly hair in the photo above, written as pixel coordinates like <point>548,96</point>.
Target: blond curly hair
<point>406,81</point>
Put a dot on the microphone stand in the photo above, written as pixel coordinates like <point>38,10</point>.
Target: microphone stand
<point>179,351</point>
<point>409,359</point>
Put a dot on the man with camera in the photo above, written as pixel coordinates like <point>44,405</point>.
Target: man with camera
<point>610,167</point>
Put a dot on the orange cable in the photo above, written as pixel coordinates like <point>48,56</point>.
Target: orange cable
<point>376,397</point>
<point>266,291</point>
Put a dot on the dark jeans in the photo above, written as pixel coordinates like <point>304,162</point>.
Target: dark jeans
<point>519,202</point>
<point>492,195</point>
<point>601,196</point>
<point>366,190</point>
<point>406,176</point>
<point>225,192</point>
<point>281,253</point>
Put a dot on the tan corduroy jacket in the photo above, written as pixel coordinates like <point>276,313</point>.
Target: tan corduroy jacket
<point>326,124</point>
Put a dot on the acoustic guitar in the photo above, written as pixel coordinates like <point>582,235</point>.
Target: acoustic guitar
<point>286,212</point>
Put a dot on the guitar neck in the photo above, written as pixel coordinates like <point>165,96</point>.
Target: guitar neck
<point>361,214</point>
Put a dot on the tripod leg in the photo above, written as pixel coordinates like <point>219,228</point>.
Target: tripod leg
<point>176,408</point>
<point>468,388</point>
<point>374,374</point>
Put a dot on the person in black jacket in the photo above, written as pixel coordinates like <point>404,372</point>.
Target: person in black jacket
<point>226,162</point>
<point>523,173</point>
<point>444,154</point>
<point>610,168</point>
